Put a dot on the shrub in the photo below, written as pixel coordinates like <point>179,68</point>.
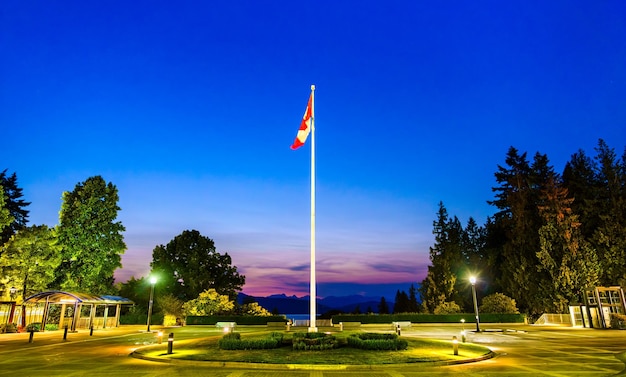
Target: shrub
<point>313,341</point>
<point>450,307</point>
<point>377,342</point>
<point>35,327</point>
<point>233,341</point>
<point>8,328</point>
<point>498,303</point>
<point>618,321</point>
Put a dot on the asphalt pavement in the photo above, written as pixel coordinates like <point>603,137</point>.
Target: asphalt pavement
<point>520,350</point>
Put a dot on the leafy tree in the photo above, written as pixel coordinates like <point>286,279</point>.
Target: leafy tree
<point>92,240</point>
<point>29,260</point>
<point>189,264</point>
<point>498,303</point>
<point>448,307</point>
<point>383,307</point>
<point>15,205</point>
<point>172,309</point>
<point>254,309</point>
<point>5,215</point>
<point>209,302</point>
<point>138,291</point>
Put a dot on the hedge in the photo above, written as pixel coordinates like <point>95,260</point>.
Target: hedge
<point>233,341</point>
<point>240,320</point>
<point>311,341</point>
<point>377,342</point>
<point>428,318</point>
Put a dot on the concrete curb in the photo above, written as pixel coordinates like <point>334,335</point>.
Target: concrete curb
<point>338,367</point>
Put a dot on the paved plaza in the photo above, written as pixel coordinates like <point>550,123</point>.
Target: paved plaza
<point>521,350</point>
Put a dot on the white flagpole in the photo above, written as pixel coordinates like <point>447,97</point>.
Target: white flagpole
<point>313,295</point>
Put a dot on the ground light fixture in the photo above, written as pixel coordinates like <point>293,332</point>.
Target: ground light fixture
<point>473,282</point>
<point>153,281</point>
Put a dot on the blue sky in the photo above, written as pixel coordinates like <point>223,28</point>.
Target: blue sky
<point>190,109</point>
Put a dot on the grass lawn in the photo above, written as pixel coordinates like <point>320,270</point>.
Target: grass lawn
<point>419,350</point>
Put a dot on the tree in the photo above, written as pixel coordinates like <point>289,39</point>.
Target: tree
<point>5,215</point>
<point>571,264</point>
<point>401,304</point>
<point>172,309</point>
<point>517,225</point>
<point>29,260</point>
<point>413,306</point>
<point>138,291</point>
<point>383,307</point>
<point>438,285</point>
<point>15,205</point>
<point>598,187</point>
<point>189,264</point>
<point>448,307</point>
<point>609,237</point>
<point>254,309</point>
<point>209,302</point>
<point>92,240</point>
<point>498,303</point>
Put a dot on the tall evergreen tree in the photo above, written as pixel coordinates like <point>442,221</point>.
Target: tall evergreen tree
<point>438,285</point>
<point>91,239</point>
<point>571,264</point>
<point>402,302</point>
<point>15,204</point>
<point>517,198</point>
<point>383,307</point>
<point>413,304</point>
<point>609,238</point>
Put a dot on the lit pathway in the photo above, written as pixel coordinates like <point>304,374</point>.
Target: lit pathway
<point>539,351</point>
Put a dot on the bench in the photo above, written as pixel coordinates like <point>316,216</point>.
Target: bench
<point>226,325</point>
<point>401,324</point>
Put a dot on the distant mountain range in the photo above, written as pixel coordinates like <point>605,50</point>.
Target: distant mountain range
<point>284,304</point>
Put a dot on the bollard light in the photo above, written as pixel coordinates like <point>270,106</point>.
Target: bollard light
<point>455,346</point>
<point>160,337</point>
<point>170,343</point>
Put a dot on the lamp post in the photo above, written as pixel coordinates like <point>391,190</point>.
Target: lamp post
<point>153,281</point>
<point>473,282</point>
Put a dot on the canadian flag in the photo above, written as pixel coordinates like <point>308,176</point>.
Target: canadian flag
<point>305,126</point>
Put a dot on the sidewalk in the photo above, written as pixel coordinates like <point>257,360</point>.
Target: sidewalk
<point>11,342</point>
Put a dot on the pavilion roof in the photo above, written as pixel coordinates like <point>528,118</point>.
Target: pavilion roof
<point>62,297</point>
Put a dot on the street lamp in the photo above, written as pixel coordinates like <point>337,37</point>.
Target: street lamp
<point>153,281</point>
<point>473,282</point>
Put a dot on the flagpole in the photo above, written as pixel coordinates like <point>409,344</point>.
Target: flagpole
<point>313,295</point>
